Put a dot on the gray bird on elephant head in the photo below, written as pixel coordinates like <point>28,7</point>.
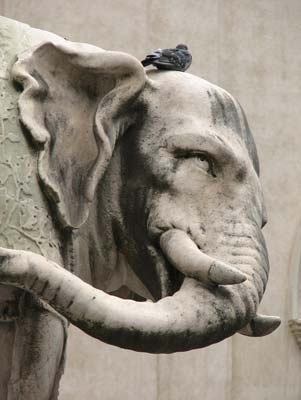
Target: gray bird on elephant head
<point>157,178</point>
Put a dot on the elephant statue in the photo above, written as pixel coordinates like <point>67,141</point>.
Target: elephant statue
<point>154,180</point>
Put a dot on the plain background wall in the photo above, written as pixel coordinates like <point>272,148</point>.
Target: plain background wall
<point>252,49</point>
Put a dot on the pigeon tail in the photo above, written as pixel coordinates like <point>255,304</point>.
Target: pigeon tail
<point>147,61</point>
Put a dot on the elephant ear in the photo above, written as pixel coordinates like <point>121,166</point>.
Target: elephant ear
<point>77,100</point>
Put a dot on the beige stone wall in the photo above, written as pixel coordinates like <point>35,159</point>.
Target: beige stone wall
<point>252,49</point>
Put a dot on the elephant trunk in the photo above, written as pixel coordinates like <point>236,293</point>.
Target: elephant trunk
<point>196,316</point>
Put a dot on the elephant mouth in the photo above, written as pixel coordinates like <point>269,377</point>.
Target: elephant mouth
<point>168,279</point>
<point>163,279</point>
<point>159,277</point>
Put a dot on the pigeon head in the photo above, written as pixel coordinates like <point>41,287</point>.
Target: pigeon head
<point>182,46</point>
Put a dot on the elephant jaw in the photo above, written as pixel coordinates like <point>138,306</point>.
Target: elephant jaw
<point>196,316</point>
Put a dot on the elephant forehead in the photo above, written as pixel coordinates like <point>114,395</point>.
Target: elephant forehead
<point>190,95</point>
<point>185,97</point>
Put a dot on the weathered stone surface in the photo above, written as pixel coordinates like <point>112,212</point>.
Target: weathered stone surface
<point>263,37</point>
<point>26,224</point>
<point>25,220</point>
<point>199,190</point>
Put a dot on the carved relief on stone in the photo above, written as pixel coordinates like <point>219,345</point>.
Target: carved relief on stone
<point>295,327</point>
<point>295,287</point>
<point>30,353</point>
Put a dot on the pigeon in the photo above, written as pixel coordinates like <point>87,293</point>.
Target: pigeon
<point>178,59</point>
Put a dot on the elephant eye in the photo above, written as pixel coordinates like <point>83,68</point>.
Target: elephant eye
<point>204,161</point>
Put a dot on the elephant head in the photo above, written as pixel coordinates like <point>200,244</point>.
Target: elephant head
<point>158,174</point>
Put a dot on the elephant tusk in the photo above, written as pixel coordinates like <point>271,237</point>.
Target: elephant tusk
<point>261,325</point>
<point>184,255</point>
